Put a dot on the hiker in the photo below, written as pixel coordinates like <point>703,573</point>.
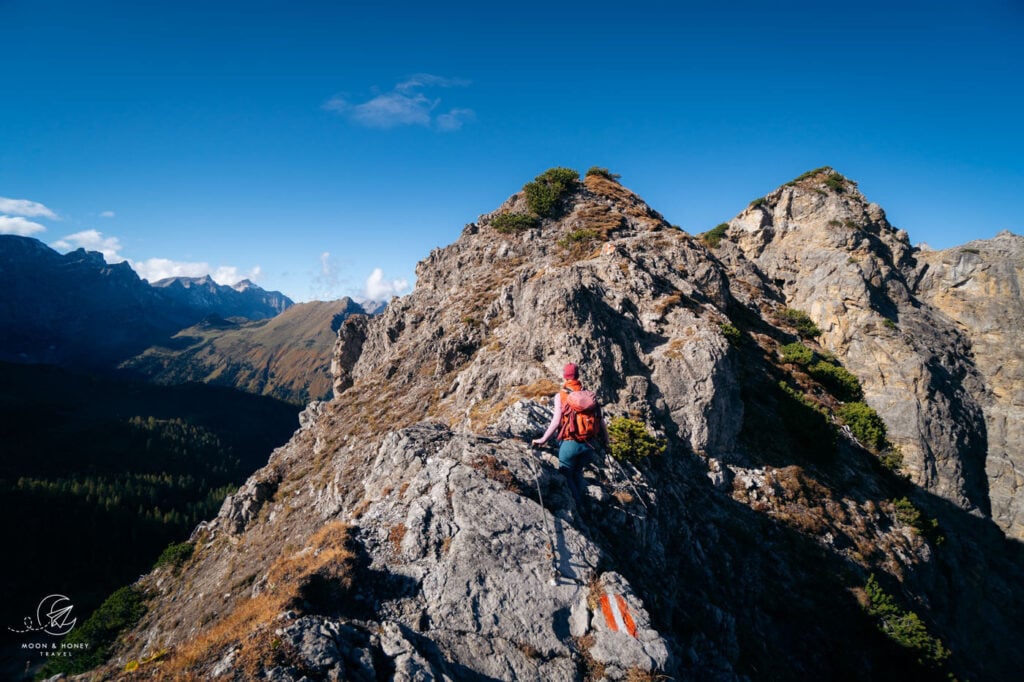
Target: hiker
<point>577,430</point>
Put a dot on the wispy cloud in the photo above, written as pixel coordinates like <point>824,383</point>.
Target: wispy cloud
<point>107,214</point>
<point>378,288</point>
<point>327,282</point>
<point>92,240</point>
<point>156,269</point>
<point>405,105</point>
<point>19,226</point>
<point>26,208</point>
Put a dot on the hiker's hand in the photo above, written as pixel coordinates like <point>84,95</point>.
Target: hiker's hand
<point>536,442</point>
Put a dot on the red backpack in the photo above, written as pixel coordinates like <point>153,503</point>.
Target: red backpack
<point>580,416</point>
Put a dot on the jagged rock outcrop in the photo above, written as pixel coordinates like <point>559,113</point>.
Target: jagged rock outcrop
<point>407,532</point>
<point>978,286</point>
<point>835,256</point>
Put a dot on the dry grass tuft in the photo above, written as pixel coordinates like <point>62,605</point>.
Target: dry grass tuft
<point>545,388</point>
<point>490,467</point>
<point>623,497</point>
<point>327,559</point>
<point>637,674</point>
<point>663,304</point>
<point>396,535</point>
<point>592,668</point>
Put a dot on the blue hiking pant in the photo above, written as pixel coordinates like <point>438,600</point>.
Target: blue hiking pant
<point>572,455</point>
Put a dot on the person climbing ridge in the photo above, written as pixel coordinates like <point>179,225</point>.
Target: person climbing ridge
<point>579,423</point>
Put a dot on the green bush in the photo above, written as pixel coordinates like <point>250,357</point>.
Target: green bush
<point>808,174</point>
<point>835,182</point>
<point>905,628</point>
<point>796,353</point>
<point>603,172</point>
<point>866,425</point>
<point>120,611</point>
<point>807,423</point>
<point>911,516</point>
<point>175,554</point>
<point>892,459</point>
<point>802,322</point>
<point>508,223</point>
<point>578,236</point>
<point>629,440</point>
<point>544,193</point>
<point>730,332</point>
<point>714,236</point>
<point>838,380</point>
<point>759,201</point>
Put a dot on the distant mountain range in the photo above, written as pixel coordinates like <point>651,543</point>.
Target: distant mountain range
<point>76,310</point>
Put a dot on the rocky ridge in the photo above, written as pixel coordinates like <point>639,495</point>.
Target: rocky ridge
<point>401,534</point>
<point>834,255</point>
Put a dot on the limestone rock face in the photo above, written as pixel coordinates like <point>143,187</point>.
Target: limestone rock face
<point>408,531</point>
<point>834,256</point>
<point>978,285</point>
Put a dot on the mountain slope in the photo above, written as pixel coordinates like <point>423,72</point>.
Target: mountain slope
<point>78,311</point>
<point>287,357</point>
<point>401,533</point>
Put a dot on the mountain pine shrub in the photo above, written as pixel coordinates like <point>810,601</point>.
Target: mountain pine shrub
<point>910,515</point>
<point>892,459</point>
<point>544,193</point>
<point>714,236</point>
<point>807,175</point>
<point>905,628</point>
<point>838,380</point>
<point>807,422</point>
<point>630,441</point>
<point>796,353</point>
<point>602,172</point>
<point>802,322</point>
<point>866,425</point>
<point>583,235</point>
<point>119,612</point>
<point>175,555</point>
<point>835,182</point>
<point>510,223</point>
<point>731,332</point>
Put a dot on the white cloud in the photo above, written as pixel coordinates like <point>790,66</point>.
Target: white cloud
<point>405,105</point>
<point>379,289</point>
<point>454,119</point>
<point>230,275</point>
<point>19,226</point>
<point>107,214</point>
<point>26,208</point>
<point>92,240</point>
<point>428,80</point>
<point>156,269</point>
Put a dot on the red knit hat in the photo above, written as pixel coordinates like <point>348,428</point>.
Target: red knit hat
<point>570,371</point>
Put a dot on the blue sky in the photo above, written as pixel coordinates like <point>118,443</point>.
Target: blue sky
<point>323,148</point>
